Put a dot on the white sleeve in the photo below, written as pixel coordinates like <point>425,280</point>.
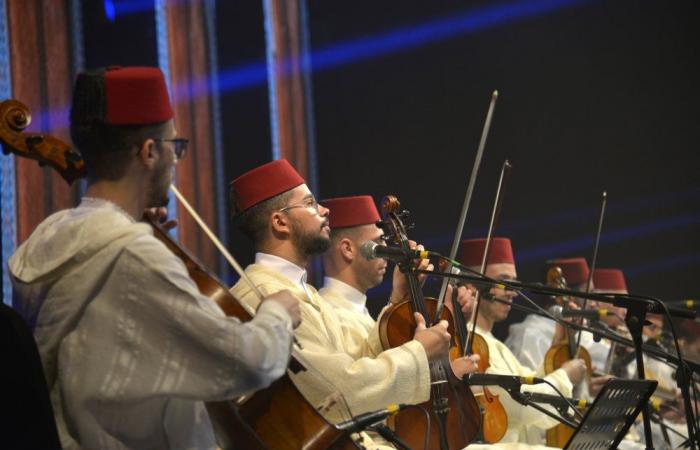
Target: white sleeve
<point>199,352</point>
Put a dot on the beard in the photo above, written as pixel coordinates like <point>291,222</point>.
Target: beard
<point>158,190</point>
<point>309,243</point>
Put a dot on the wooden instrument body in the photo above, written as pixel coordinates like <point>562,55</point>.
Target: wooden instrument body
<point>278,417</point>
<point>396,327</point>
<point>494,419</point>
<point>558,354</point>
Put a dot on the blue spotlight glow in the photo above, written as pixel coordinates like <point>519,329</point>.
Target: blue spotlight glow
<point>110,11</point>
<point>115,8</point>
<point>566,248</point>
<point>408,37</point>
<point>400,39</point>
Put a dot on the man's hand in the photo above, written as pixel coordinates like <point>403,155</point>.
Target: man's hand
<point>399,284</point>
<point>465,365</point>
<point>160,216</point>
<point>575,369</point>
<point>597,383</point>
<point>435,340</point>
<point>288,302</point>
<point>466,298</point>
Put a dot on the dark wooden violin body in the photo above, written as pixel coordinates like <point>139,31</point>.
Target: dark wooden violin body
<point>454,412</point>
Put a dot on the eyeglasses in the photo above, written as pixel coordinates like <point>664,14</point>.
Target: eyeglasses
<point>309,203</point>
<point>179,146</point>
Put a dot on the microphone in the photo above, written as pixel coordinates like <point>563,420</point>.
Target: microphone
<point>371,250</point>
<point>362,421</point>
<point>591,314</point>
<point>504,381</point>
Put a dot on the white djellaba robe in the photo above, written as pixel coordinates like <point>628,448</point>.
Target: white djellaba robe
<point>530,339</point>
<point>349,304</point>
<point>130,348</point>
<point>524,423</point>
<point>368,378</point>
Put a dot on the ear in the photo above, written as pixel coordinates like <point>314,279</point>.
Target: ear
<point>347,249</point>
<point>280,223</point>
<point>147,153</point>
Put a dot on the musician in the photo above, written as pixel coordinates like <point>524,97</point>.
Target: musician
<point>274,207</point>
<point>621,364</point>
<point>349,274</point>
<point>530,339</point>
<point>524,423</point>
<point>129,346</point>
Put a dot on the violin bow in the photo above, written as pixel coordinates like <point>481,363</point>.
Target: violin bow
<point>593,263</point>
<point>495,214</point>
<point>217,243</point>
<point>465,204</point>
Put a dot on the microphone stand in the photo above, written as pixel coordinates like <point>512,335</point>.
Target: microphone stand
<point>525,400</point>
<point>635,318</point>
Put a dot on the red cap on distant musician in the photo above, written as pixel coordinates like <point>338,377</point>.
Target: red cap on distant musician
<point>351,211</point>
<point>136,96</point>
<point>471,252</point>
<point>265,182</point>
<point>609,280</point>
<point>575,270</point>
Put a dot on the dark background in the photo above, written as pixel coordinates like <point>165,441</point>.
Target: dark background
<point>594,96</point>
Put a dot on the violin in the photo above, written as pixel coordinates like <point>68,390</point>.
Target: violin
<point>452,404</point>
<point>494,418</point>
<point>278,417</point>
<point>558,354</point>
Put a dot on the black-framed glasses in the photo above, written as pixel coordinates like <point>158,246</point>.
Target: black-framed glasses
<point>179,146</point>
<point>309,203</point>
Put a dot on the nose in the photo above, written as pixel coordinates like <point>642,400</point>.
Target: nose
<point>323,211</point>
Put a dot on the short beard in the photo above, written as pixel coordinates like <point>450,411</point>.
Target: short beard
<point>309,244</point>
<point>158,191</point>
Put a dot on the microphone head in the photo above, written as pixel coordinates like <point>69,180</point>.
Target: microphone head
<point>367,250</point>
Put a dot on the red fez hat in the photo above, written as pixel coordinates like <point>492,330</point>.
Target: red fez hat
<point>121,96</point>
<point>136,96</point>
<point>351,211</point>
<point>609,280</point>
<point>471,252</point>
<point>265,182</point>
<point>575,270</point>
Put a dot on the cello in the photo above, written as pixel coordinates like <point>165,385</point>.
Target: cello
<point>452,404</point>
<point>277,417</point>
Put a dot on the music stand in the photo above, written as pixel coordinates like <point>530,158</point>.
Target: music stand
<point>614,410</point>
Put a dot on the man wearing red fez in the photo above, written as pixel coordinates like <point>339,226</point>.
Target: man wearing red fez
<point>275,208</point>
<point>525,425</point>
<point>530,339</point>
<point>350,274</point>
<point>130,348</point>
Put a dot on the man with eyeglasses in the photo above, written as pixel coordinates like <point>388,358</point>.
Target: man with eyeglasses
<point>274,207</point>
<point>130,348</point>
